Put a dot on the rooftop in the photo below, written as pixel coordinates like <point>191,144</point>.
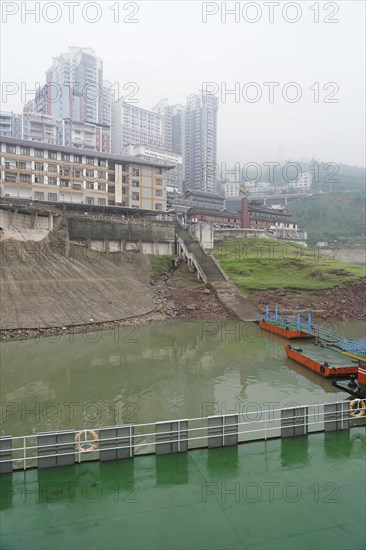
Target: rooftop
<point>82,151</point>
<point>302,492</point>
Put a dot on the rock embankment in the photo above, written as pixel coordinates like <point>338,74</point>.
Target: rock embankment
<point>343,303</point>
<point>178,295</point>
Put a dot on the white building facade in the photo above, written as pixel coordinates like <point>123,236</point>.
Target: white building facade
<point>136,126</point>
<point>174,176</point>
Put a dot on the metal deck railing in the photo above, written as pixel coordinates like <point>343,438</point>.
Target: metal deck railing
<point>355,346</point>
<point>50,449</point>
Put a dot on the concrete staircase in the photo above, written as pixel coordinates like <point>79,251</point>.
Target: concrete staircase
<point>227,292</point>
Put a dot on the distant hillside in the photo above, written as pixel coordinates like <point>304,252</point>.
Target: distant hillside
<point>327,176</point>
<point>332,217</point>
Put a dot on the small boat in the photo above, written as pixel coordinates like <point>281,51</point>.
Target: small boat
<point>326,362</point>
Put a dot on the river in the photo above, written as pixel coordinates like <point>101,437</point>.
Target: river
<point>175,369</point>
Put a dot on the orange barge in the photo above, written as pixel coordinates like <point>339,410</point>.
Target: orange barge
<point>283,330</point>
<point>324,361</point>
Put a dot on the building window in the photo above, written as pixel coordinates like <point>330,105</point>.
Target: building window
<point>90,160</point>
<point>89,200</point>
<point>22,165</point>
<point>135,196</point>
<point>77,173</point>
<point>52,168</point>
<point>158,170</point>
<point>158,181</point>
<point>158,206</point>
<point>90,173</point>
<point>38,179</point>
<point>11,149</point>
<point>124,191</point>
<point>102,175</point>
<point>38,153</point>
<point>64,183</point>
<point>89,185</point>
<point>77,158</point>
<point>52,155</point>
<point>25,178</point>
<point>65,156</point>
<point>158,193</point>
<point>39,196</point>
<point>39,166</point>
<point>52,181</point>
<point>102,162</point>
<point>10,178</point>
<point>102,186</point>
<point>52,197</point>
<point>24,151</point>
<point>102,202</point>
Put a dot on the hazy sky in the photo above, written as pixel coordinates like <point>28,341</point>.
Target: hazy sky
<point>170,52</point>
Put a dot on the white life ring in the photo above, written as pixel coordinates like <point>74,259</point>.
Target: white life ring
<point>357,405</point>
<point>86,441</point>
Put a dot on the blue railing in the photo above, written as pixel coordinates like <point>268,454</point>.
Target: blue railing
<point>356,346</point>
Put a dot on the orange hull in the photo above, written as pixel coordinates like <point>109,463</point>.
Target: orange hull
<point>326,371</point>
<point>284,332</point>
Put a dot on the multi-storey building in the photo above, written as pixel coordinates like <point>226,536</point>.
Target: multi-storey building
<point>136,126</point>
<point>56,131</point>
<point>75,89</point>
<point>174,176</point>
<point>173,125</point>
<point>64,174</point>
<point>200,150</point>
<point>232,188</point>
<point>77,76</point>
<point>304,181</point>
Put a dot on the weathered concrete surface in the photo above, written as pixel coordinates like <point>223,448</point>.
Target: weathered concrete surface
<point>41,288</point>
<point>229,295</point>
<point>119,230</point>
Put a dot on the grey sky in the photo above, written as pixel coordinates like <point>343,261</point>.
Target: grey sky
<point>170,52</point>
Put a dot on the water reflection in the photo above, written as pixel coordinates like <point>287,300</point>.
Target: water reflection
<point>170,370</point>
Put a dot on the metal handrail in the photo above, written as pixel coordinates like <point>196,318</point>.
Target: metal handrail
<point>337,415</point>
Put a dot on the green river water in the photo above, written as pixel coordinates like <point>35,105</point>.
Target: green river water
<point>175,369</point>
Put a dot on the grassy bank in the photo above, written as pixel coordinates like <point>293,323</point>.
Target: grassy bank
<point>160,264</point>
<point>260,264</point>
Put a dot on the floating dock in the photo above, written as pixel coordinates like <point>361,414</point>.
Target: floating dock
<point>326,362</point>
<point>283,329</point>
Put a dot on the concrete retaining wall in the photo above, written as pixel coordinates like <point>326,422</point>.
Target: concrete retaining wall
<point>119,230</point>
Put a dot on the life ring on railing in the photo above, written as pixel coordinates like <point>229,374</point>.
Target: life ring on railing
<point>86,444</point>
<point>357,405</point>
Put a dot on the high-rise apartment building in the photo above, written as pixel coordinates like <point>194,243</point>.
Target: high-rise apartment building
<point>136,126</point>
<point>75,89</point>
<point>200,139</point>
<point>173,125</point>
